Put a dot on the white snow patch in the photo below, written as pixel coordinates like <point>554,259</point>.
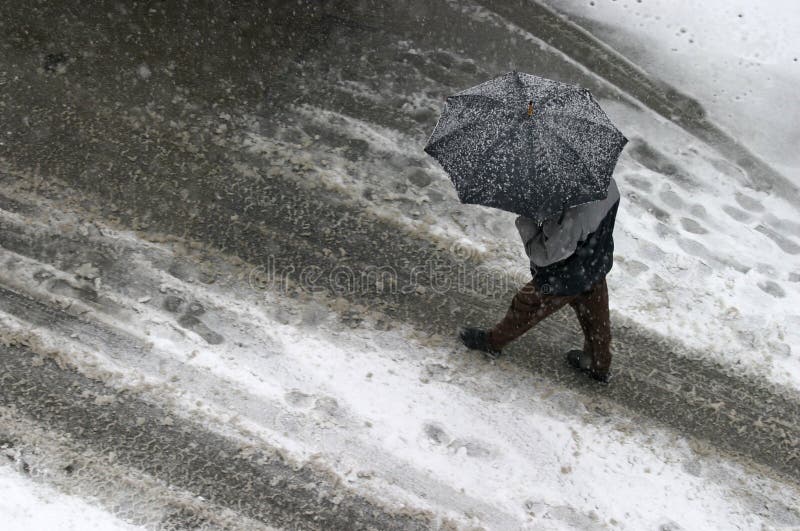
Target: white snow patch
<point>740,59</point>
<point>27,505</point>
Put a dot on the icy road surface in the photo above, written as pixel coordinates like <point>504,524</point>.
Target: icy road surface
<point>231,280</point>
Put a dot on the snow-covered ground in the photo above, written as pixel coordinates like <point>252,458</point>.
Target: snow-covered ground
<point>407,418</point>
<point>739,58</point>
<point>700,255</point>
<point>26,505</point>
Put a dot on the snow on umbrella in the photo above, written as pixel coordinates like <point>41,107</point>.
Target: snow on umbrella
<point>526,144</point>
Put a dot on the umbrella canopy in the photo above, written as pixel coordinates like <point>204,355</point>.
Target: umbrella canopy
<point>526,144</point>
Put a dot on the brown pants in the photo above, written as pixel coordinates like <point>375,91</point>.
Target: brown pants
<point>530,306</point>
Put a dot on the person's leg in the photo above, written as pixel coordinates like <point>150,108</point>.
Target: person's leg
<point>593,315</point>
<point>583,318</point>
<point>528,307</point>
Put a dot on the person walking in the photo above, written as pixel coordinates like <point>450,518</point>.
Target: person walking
<point>570,258</point>
<point>546,151</point>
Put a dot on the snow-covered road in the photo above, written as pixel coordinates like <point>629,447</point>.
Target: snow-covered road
<point>228,302</point>
<point>185,371</point>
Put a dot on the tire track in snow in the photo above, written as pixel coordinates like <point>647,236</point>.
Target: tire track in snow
<point>91,324</point>
<point>81,469</point>
<point>655,377</point>
<point>263,486</point>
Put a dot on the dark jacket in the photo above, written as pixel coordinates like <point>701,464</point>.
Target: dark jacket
<point>570,254</point>
<point>591,261</point>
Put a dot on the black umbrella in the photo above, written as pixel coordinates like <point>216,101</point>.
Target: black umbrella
<point>527,145</point>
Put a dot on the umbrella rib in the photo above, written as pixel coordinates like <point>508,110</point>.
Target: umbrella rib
<point>519,84</point>
<point>460,128</point>
<point>484,96</point>
<point>502,137</point>
<point>543,155</point>
<point>608,127</point>
<point>434,145</point>
<point>532,171</point>
<point>561,113</point>
<point>553,93</point>
<point>575,152</point>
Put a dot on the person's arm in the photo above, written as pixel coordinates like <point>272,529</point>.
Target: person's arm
<point>533,238</point>
<point>558,238</point>
<point>576,224</point>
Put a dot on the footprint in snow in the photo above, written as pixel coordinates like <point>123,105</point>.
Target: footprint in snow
<point>749,203</point>
<point>197,326</point>
<point>190,318</point>
<point>474,448</point>
<point>436,435</point>
<point>173,303</point>
<point>299,399</point>
<point>62,287</point>
<point>691,225</point>
<point>321,406</point>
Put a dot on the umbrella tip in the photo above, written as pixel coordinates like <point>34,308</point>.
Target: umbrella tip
<point>530,108</point>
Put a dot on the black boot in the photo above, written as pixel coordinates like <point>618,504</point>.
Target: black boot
<point>477,339</point>
<point>583,361</point>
